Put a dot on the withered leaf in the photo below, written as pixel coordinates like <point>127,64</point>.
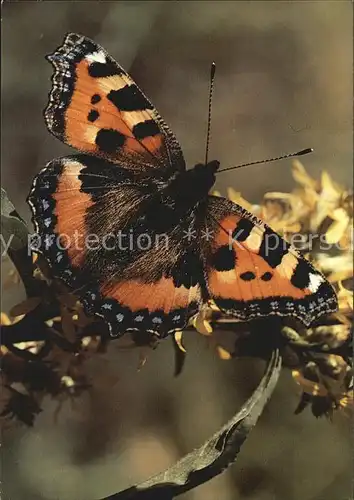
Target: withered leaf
<point>25,306</point>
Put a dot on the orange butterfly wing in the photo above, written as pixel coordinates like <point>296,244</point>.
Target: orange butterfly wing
<point>97,108</point>
<point>252,272</point>
<point>160,307</point>
<point>83,210</point>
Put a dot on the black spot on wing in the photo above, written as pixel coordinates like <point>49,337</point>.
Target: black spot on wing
<point>242,230</point>
<point>109,140</point>
<point>101,70</point>
<point>267,276</point>
<point>224,259</point>
<point>148,128</point>
<point>188,270</point>
<point>273,248</point>
<point>129,98</point>
<point>247,276</point>
<point>95,98</point>
<point>301,275</point>
<point>93,115</point>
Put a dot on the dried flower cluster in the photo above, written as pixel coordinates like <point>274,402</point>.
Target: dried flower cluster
<point>47,338</point>
<point>321,212</point>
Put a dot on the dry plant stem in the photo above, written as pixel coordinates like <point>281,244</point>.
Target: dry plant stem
<point>33,328</point>
<point>215,455</point>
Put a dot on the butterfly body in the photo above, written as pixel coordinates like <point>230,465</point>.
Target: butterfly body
<point>182,195</point>
<point>136,235</point>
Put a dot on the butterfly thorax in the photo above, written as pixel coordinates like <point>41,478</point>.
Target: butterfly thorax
<point>181,196</point>
<point>193,185</point>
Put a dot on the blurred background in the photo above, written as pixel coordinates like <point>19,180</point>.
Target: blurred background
<point>283,83</point>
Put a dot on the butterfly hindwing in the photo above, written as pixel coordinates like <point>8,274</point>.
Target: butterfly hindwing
<point>159,307</point>
<point>78,202</point>
<point>97,108</point>
<point>91,219</point>
<point>252,272</point>
<point>155,287</point>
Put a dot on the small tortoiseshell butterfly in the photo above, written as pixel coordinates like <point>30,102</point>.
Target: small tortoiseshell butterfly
<point>135,234</point>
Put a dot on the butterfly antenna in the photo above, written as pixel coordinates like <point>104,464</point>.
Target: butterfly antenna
<point>211,89</point>
<point>289,155</point>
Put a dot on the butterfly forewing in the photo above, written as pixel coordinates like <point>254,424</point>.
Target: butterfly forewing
<point>97,108</point>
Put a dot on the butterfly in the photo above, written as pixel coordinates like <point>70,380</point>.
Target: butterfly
<point>135,234</point>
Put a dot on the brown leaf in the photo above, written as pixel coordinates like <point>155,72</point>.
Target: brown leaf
<point>68,299</point>
<point>26,306</point>
<point>223,353</point>
<point>308,386</point>
<point>4,319</point>
<point>31,346</point>
<point>68,324</point>
<point>13,278</point>
<point>202,325</point>
<point>178,339</point>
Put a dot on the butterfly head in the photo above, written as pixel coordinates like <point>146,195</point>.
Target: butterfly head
<point>205,169</point>
<point>212,166</point>
<point>193,185</point>
<point>203,175</point>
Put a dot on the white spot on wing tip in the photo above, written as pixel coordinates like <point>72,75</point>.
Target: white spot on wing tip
<point>315,281</point>
<point>96,57</point>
